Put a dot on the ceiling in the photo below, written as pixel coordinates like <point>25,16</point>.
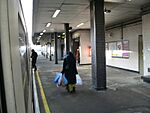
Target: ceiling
<point>75,12</point>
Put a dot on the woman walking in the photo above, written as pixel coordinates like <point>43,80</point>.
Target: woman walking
<point>70,71</point>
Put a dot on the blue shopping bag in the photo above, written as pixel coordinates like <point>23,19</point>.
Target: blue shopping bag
<point>60,80</point>
<point>64,80</point>
<point>57,77</point>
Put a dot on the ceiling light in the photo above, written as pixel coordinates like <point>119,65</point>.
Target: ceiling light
<point>80,25</point>
<point>41,33</point>
<point>56,13</point>
<point>48,24</point>
<point>39,36</point>
<point>44,30</point>
<point>63,33</point>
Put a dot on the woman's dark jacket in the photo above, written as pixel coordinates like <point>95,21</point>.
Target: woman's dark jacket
<point>69,69</point>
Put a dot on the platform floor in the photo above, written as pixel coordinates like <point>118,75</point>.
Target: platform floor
<point>126,92</point>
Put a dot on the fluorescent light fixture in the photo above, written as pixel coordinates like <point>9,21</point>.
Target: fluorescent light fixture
<point>80,25</point>
<point>41,33</point>
<point>63,33</point>
<point>48,24</point>
<point>56,13</point>
<point>44,30</point>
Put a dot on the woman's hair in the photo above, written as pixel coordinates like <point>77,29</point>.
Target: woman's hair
<point>71,57</point>
<point>32,50</point>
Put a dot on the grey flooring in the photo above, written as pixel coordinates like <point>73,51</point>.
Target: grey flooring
<point>126,92</point>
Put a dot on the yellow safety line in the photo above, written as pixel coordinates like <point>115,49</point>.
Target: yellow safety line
<point>46,107</point>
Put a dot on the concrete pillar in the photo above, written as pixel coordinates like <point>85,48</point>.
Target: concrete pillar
<point>71,42</point>
<point>55,38</point>
<point>66,25</point>
<point>98,44</point>
<point>50,45</point>
<point>50,56</point>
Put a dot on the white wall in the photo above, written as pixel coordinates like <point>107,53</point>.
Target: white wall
<point>146,42</point>
<point>85,43</point>
<point>130,33</point>
<point>113,35</point>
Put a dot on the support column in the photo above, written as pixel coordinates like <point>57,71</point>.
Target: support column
<point>98,44</point>
<point>55,37</point>
<point>50,56</point>
<point>66,25</point>
<point>71,42</point>
<point>50,44</point>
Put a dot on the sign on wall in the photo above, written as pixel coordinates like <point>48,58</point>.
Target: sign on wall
<point>125,49</point>
<point>120,49</point>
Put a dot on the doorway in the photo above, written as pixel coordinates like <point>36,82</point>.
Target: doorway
<point>140,45</point>
<point>76,52</point>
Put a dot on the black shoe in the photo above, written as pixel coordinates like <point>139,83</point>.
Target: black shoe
<point>74,90</point>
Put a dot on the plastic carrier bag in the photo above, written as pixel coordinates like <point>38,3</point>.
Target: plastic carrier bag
<point>60,80</point>
<point>78,80</point>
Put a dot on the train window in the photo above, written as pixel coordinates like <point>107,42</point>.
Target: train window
<point>24,53</point>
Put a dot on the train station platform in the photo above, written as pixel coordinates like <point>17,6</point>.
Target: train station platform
<point>126,92</point>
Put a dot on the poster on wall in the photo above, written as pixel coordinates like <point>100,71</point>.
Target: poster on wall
<point>120,49</point>
<point>125,45</point>
<point>112,46</point>
<point>118,52</point>
<point>119,45</point>
<point>125,53</point>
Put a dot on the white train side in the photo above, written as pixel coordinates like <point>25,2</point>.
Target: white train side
<point>15,78</point>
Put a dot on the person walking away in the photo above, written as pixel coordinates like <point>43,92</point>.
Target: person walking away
<point>70,71</point>
<point>34,56</point>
